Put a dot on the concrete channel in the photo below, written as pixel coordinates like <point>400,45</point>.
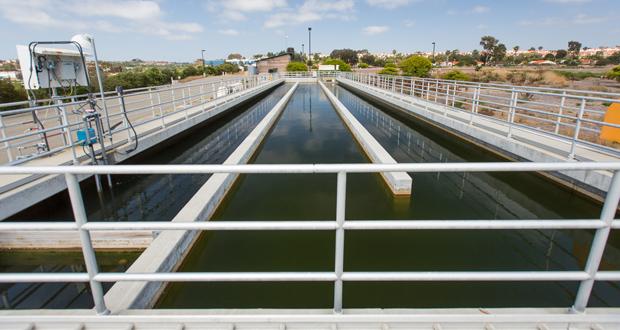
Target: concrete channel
<point>591,183</point>
<point>167,251</point>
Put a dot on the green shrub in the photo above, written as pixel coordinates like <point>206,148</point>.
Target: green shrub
<point>614,73</point>
<point>390,68</point>
<point>577,75</point>
<point>418,66</point>
<point>296,66</point>
<point>362,66</point>
<point>456,75</point>
<point>334,61</point>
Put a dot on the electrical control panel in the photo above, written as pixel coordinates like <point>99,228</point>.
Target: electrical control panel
<point>51,68</point>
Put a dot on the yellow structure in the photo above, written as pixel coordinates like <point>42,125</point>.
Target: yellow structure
<point>613,117</point>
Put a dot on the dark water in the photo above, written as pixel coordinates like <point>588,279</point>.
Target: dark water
<point>310,131</point>
<point>134,198</point>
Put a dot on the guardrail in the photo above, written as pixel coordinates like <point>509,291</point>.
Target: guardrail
<point>587,276</point>
<point>49,126</point>
<point>574,116</point>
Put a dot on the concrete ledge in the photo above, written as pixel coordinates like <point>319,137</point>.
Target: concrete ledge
<point>34,189</point>
<point>399,182</point>
<point>170,247</point>
<point>592,183</point>
<point>70,240</point>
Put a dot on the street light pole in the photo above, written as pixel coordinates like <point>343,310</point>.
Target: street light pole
<point>202,55</point>
<point>310,45</point>
<point>433,52</point>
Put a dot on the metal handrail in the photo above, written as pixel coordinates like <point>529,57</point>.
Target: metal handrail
<point>587,276</point>
<point>508,107</point>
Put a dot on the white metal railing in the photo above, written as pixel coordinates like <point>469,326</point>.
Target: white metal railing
<point>49,126</point>
<point>603,225</point>
<point>574,116</point>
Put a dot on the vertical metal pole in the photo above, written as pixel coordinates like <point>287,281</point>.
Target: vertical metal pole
<point>598,244</point>
<point>6,143</point>
<point>511,111</point>
<point>152,104</point>
<point>90,259</point>
<point>101,92</point>
<point>121,104</point>
<point>67,130</point>
<point>436,89</point>
<point>573,146</point>
<point>559,120</point>
<point>341,198</point>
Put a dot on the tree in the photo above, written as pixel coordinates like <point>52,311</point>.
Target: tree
<point>540,48</point>
<point>416,65</point>
<point>10,93</point>
<point>235,56</point>
<point>488,43</point>
<point>296,67</point>
<point>362,65</point>
<point>228,68</point>
<point>499,52</point>
<point>493,49</point>
<point>549,57</point>
<point>516,49</point>
<point>189,71</point>
<point>390,69</point>
<point>369,59</point>
<point>574,47</point>
<point>561,53</point>
<point>334,61</point>
<point>257,56</point>
<point>347,55</point>
<point>614,58</point>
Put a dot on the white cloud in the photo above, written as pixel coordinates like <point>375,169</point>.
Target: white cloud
<point>229,32</point>
<point>236,10</point>
<point>580,19</point>
<point>480,9</point>
<point>310,11</point>
<point>144,17</point>
<point>375,29</point>
<point>390,4</point>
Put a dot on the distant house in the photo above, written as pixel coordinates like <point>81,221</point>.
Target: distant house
<point>273,64</point>
<point>11,75</point>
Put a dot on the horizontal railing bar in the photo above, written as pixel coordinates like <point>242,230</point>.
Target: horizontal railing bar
<point>313,168</point>
<point>415,276</point>
<point>43,277</point>
<point>218,277</point>
<point>311,225</point>
<point>467,276</point>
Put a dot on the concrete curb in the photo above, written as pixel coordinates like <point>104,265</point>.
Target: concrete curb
<point>399,182</point>
<point>167,251</point>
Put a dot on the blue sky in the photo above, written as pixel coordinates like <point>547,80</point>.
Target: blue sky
<point>178,30</point>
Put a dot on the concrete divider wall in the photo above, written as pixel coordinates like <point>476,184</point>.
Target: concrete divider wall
<point>591,183</point>
<point>33,189</point>
<point>167,251</point>
<point>399,182</point>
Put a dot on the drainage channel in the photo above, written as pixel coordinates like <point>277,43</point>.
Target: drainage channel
<point>145,198</point>
<point>310,131</point>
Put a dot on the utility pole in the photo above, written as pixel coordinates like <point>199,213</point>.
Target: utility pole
<point>202,55</point>
<point>310,45</point>
<point>433,52</point>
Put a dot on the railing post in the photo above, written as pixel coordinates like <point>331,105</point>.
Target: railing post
<point>598,244</point>
<point>511,111</point>
<point>436,89</point>
<point>341,198</point>
<point>151,101</point>
<point>573,145</point>
<point>90,260</point>
<point>6,143</point>
<point>123,110</point>
<point>559,120</point>
<point>67,130</point>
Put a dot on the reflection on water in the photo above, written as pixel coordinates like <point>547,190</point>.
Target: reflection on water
<point>309,131</point>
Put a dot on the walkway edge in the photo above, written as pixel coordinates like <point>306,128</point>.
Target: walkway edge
<point>168,250</point>
<point>399,182</point>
